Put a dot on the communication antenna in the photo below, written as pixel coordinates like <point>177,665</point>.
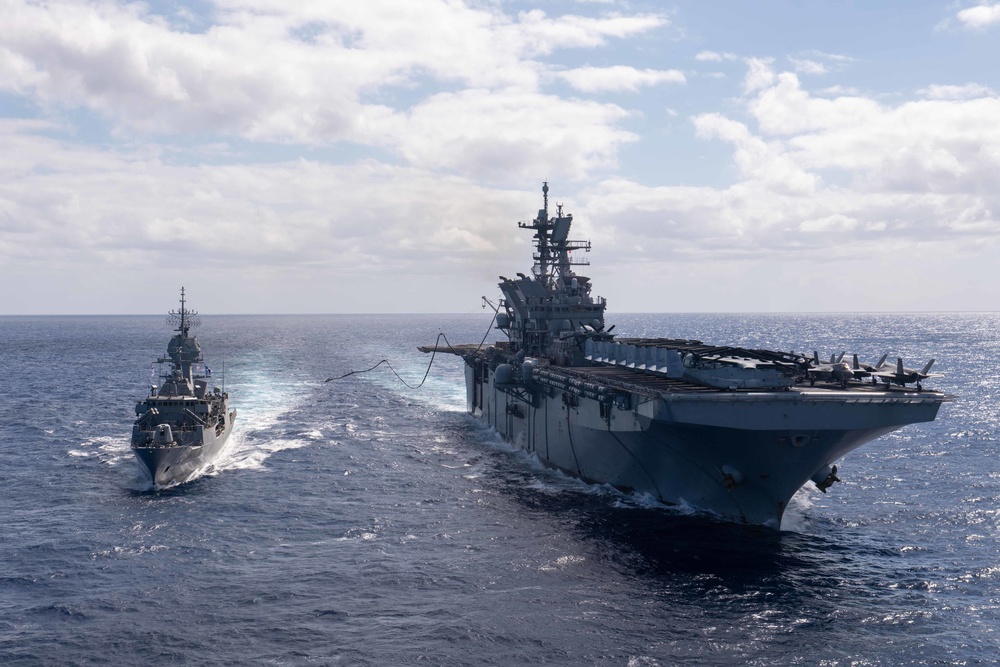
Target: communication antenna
<point>183,319</point>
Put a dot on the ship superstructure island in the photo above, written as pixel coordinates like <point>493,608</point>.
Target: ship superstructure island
<point>182,426</point>
<point>732,431</point>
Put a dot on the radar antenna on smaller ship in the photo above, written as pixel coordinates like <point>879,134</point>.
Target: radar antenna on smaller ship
<point>183,319</point>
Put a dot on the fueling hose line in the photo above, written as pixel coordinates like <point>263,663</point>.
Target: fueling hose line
<point>440,336</point>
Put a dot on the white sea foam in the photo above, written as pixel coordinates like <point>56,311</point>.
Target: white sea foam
<point>251,453</point>
<point>561,563</point>
<point>796,517</point>
<point>260,408</point>
<point>647,501</point>
<point>642,661</point>
<point>127,552</point>
<point>109,449</point>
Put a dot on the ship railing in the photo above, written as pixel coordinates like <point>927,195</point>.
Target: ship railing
<point>817,396</point>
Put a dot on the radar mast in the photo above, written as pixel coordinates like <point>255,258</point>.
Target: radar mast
<point>183,319</point>
<point>553,264</point>
<point>183,349</point>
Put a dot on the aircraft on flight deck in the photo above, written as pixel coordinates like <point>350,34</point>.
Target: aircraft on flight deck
<point>896,374</point>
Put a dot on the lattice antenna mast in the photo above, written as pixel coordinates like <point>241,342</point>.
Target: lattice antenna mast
<point>183,319</point>
<point>552,261</point>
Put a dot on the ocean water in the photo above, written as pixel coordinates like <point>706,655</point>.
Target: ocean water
<point>361,522</point>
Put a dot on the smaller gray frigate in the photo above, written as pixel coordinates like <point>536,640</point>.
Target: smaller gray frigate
<point>182,426</point>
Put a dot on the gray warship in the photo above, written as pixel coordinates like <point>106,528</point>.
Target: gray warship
<point>730,431</point>
<point>182,426</point>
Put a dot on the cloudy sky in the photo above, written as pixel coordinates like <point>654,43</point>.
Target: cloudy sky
<point>292,156</point>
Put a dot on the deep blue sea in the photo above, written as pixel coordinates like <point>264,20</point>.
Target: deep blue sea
<point>360,522</point>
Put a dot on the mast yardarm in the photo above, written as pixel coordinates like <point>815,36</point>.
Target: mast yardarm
<point>552,258</point>
<point>183,319</point>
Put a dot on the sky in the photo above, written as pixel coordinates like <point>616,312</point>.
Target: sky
<point>291,156</point>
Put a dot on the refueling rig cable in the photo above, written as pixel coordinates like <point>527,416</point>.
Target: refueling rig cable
<point>429,364</point>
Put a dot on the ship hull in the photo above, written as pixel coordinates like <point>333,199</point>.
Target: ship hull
<point>727,429</point>
<point>177,463</point>
<point>741,456</point>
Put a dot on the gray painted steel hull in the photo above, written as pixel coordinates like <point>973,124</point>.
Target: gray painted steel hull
<point>741,456</point>
<point>176,464</point>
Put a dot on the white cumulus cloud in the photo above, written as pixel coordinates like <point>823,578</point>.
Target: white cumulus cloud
<point>714,56</point>
<point>805,66</point>
<point>820,183</point>
<point>759,74</point>
<point>980,16</point>
<point>509,136</point>
<point>618,78</point>
<point>323,73</point>
<point>964,92</point>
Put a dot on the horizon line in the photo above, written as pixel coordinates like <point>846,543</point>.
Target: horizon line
<point>635,312</point>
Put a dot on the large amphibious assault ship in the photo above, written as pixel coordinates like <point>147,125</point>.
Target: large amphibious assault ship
<point>732,431</point>
<point>182,425</point>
